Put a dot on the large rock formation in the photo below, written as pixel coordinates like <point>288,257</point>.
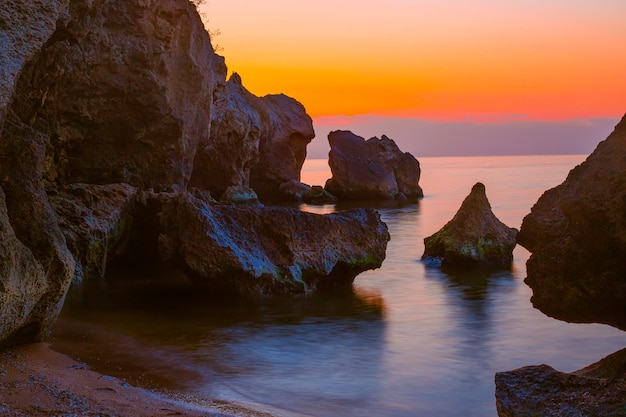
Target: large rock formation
<point>124,90</point>
<point>474,237</point>
<point>375,169</point>
<point>597,390</point>
<point>577,235</point>
<point>257,142</point>
<point>107,111</point>
<point>263,251</point>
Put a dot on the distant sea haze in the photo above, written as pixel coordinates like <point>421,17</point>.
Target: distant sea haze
<point>423,137</point>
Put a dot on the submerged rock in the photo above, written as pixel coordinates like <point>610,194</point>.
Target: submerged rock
<point>272,250</point>
<point>597,390</point>
<point>375,169</point>
<point>474,237</point>
<point>576,233</point>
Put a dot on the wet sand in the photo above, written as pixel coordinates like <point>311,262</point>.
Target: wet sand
<point>37,381</point>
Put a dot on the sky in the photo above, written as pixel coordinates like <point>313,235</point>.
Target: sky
<point>494,67</point>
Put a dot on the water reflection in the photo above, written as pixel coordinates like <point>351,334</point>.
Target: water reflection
<point>155,329</point>
<point>406,341</point>
<point>347,205</point>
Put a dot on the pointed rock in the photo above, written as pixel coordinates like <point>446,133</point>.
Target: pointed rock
<point>474,237</point>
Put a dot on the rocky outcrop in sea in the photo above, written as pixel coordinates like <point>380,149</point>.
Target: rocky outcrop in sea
<point>118,133</point>
<point>576,233</point>
<point>474,237</point>
<point>375,169</point>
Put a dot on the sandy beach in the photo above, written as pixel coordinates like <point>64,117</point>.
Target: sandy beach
<point>37,381</point>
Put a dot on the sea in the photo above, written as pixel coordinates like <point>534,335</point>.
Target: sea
<point>407,340</point>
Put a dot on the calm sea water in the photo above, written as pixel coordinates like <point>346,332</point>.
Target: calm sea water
<point>406,341</point>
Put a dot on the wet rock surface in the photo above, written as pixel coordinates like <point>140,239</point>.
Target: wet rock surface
<point>597,390</point>
<point>375,169</point>
<point>273,250</point>
<point>474,237</point>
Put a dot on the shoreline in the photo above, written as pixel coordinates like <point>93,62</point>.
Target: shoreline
<point>37,381</point>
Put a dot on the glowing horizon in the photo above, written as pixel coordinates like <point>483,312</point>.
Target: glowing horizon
<point>446,60</point>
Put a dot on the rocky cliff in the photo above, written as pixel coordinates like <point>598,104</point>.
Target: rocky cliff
<point>111,111</point>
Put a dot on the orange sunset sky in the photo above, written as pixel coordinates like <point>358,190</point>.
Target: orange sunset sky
<point>481,61</point>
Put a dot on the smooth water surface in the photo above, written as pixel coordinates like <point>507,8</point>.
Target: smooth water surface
<point>405,341</point>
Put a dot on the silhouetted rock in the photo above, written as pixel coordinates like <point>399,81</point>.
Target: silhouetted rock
<point>474,237</point>
<point>375,169</point>
<point>577,235</point>
<point>597,390</point>
<point>262,251</point>
<point>96,221</point>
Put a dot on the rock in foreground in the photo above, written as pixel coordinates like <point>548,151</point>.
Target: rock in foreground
<point>598,390</point>
<point>375,169</point>
<point>272,250</point>
<point>474,237</point>
<point>577,235</point>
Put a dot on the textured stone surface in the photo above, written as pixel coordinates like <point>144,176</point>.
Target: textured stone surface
<point>96,221</point>
<point>25,26</point>
<point>34,223</point>
<point>577,235</point>
<point>598,390</point>
<point>286,131</point>
<point>22,284</point>
<point>257,142</point>
<point>226,158</point>
<point>263,251</point>
<point>124,89</point>
<point>375,169</point>
<point>474,237</point>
